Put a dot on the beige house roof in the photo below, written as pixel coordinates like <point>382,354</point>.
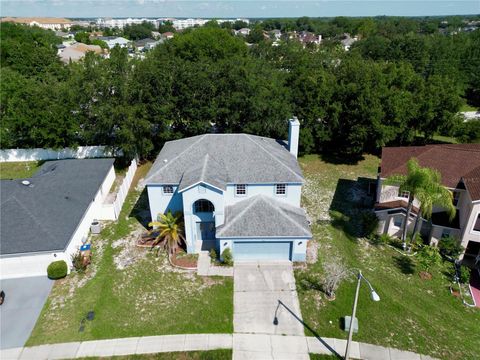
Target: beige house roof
<point>40,20</point>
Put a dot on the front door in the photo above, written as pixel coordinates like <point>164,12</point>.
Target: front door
<point>206,234</point>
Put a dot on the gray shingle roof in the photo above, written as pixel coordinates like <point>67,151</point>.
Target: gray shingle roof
<point>208,171</point>
<point>241,158</point>
<point>263,216</point>
<point>44,215</point>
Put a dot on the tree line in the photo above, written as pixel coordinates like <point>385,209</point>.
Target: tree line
<point>394,92</point>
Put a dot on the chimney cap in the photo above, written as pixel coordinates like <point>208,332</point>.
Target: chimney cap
<point>294,120</point>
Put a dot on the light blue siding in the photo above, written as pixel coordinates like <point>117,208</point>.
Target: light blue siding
<point>256,250</point>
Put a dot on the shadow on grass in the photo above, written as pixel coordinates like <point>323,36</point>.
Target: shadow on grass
<point>315,334</point>
<point>141,210</point>
<point>338,159</point>
<point>352,201</point>
<point>405,264</point>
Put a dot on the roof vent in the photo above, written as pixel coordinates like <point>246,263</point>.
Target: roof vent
<point>25,182</point>
<point>165,160</point>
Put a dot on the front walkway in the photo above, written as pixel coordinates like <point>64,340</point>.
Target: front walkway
<point>271,346</point>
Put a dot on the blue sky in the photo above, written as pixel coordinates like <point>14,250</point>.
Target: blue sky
<point>236,8</point>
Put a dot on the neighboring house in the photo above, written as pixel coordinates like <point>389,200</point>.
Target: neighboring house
<point>348,41</point>
<point>276,34</point>
<point>113,41</point>
<point>48,216</point>
<point>236,191</point>
<point>147,44</point>
<point>459,166</point>
<point>168,35</point>
<point>43,22</point>
<point>471,115</point>
<point>77,52</point>
<point>243,32</point>
<point>310,38</point>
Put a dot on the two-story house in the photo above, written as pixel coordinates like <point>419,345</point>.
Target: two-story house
<point>236,191</point>
<point>459,166</point>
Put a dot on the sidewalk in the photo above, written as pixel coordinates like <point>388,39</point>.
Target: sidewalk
<point>205,268</point>
<point>125,346</point>
<point>267,347</point>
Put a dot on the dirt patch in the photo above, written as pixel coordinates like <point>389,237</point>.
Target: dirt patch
<point>129,253</point>
<point>425,275</point>
<point>312,251</point>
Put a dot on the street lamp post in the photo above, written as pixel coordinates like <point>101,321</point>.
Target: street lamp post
<point>374,296</point>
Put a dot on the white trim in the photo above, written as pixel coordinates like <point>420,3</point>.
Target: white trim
<point>198,183</point>
<point>275,189</point>
<point>472,230</point>
<point>264,237</point>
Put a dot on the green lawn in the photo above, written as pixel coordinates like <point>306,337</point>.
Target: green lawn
<point>222,354</point>
<point>133,292</point>
<point>413,314</point>
<point>18,170</point>
<point>467,107</point>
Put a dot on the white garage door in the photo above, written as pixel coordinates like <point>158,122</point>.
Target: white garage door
<point>255,250</point>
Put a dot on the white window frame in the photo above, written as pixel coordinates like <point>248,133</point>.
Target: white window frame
<point>276,189</point>
<point>166,192</point>
<point>473,231</point>
<point>242,192</point>
<point>402,219</point>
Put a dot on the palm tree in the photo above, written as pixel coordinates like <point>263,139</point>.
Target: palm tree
<point>424,184</point>
<point>170,231</point>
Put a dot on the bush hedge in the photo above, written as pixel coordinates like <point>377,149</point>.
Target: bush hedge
<point>57,270</point>
<point>227,257</point>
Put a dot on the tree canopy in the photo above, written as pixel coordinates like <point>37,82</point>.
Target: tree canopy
<point>398,84</point>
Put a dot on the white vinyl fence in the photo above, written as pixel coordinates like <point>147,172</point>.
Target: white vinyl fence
<point>111,209</point>
<point>10,155</point>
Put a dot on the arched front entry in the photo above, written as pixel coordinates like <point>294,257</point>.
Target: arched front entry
<point>205,223</point>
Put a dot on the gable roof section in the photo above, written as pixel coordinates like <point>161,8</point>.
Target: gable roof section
<point>454,162</point>
<point>241,158</point>
<point>44,216</point>
<point>208,171</point>
<point>262,216</point>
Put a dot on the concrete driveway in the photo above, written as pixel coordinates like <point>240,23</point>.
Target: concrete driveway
<point>24,300</point>
<point>258,288</point>
<point>261,291</point>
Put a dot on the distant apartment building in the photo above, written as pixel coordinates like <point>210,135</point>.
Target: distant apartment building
<point>43,22</point>
<point>121,23</point>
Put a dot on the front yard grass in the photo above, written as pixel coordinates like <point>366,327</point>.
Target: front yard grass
<point>131,291</point>
<point>222,354</point>
<point>18,169</point>
<point>413,314</point>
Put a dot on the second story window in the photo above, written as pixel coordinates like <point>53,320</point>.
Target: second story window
<point>280,189</point>
<point>404,194</point>
<point>168,189</point>
<point>241,190</point>
<point>476,226</point>
<point>456,197</point>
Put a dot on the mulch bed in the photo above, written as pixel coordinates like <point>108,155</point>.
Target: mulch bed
<point>184,261</point>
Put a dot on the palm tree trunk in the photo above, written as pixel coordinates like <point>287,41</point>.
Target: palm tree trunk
<point>416,228</point>
<point>405,223</point>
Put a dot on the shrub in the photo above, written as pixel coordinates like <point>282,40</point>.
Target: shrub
<point>415,243</point>
<point>428,256</point>
<point>213,255</point>
<point>335,273</point>
<point>57,270</point>
<point>369,224</point>
<point>450,247</point>
<point>227,257</point>
<point>79,263</point>
<point>464,274</point>
<point>383,239</point>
